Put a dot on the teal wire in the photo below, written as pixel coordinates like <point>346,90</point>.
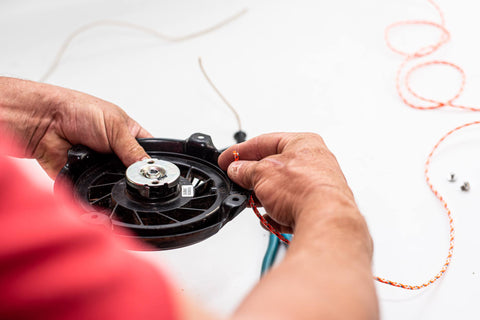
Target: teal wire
<point>271,253</point>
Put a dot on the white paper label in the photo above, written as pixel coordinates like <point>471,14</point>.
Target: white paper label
<point>187,191</point>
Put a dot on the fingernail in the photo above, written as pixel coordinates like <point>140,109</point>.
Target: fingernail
<point>233,168</point>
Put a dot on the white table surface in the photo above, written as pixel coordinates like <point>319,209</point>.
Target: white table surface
<point>319,66</point>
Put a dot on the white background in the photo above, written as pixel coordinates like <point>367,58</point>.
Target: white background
<point>319,66</point>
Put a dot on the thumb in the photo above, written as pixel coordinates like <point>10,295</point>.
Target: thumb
<point>127,148</point>
<point>242,173</point>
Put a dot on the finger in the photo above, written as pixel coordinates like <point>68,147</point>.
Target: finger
<point>242,173</point>
<point>254,149</point>
<point>127,148</point>
<point>247,174</point>
<point>141,132</point>
<point>144,134</point>
<point>276,226</point>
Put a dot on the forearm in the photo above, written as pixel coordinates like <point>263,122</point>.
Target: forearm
<point>27,110</point>
<point>326,273</point>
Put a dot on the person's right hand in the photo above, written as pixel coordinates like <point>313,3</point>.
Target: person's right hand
<point>328,263</point>
<point>290,173</point>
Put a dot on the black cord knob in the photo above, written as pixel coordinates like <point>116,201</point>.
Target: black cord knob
<point>240,136</point>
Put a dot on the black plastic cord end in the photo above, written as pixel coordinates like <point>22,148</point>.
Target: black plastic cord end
<point>240,136</point>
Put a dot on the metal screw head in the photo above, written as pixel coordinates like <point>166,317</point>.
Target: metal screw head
<point>452,177</point>
<point>465,186</point>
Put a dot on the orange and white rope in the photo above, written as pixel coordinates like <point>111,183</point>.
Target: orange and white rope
<point>449,216</point>
<point>403,86</point>
<point>403,77</point>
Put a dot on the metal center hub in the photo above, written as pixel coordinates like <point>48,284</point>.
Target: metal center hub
<point>153,172</point>
<point>153,178</point>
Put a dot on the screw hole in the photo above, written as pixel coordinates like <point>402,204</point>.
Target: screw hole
<point>155,182</point>
<point>235,199</point>
<point>151,162</point>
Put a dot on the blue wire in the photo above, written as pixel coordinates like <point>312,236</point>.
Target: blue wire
<point>271,253</point>
<point>288,236</point>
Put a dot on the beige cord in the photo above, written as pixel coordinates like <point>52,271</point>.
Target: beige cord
<point>220,94</point>
<point>153,32</point>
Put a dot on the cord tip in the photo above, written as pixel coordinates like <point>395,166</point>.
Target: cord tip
<point>240,136</point>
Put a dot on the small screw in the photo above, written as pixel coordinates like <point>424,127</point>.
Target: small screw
<point>452,177</point>
<point>465,186</point>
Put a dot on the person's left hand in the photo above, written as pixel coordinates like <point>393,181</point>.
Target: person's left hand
<point>47,120</point>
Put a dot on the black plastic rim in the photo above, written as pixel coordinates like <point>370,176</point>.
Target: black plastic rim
<point>98,181</point>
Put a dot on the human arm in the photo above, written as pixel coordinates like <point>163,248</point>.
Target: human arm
<point>44,121</point>
<point>326,273</point>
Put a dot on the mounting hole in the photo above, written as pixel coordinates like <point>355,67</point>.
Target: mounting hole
<point>236,199</point>
<point>155,182</point>
<point>151,162</point>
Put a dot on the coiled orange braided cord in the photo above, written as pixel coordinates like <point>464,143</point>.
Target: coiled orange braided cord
<point>448,212</point>
<point>404,86</point>
<point>431,104</point>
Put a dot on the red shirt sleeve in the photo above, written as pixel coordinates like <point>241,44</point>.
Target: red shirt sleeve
<point>55,266</point>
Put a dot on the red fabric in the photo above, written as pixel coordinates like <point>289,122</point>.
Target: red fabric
<point>55,266</point>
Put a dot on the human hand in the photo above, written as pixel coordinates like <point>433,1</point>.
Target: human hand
<point>300,184</point>
<point>291,174</point>
<point>47,120</point>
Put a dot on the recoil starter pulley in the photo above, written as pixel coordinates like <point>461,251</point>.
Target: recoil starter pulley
<point>177,198</point>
